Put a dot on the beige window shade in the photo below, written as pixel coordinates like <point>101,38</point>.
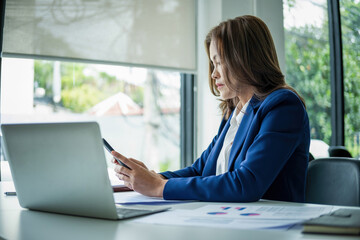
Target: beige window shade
<point>154,33</point>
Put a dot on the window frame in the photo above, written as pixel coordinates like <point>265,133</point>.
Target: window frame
<point>187,120</point>
<point>2,18</point>
<point>336,74</point>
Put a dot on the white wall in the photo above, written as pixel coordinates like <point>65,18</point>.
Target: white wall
<point>208,114</point>
<point>20,80</point>
<point>211,13</point>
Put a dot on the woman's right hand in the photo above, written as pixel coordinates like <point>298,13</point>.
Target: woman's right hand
<point>139,163</point>
<point>133,160</point>
<point>138,177</point>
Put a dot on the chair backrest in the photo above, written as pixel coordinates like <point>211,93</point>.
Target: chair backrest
<point>311,157</point>
<point>334,181</point>
<point>339,151</point>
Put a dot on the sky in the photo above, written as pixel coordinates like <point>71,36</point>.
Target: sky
<point>305,12</point>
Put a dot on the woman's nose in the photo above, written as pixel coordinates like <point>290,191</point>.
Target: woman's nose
<point>215,74</point>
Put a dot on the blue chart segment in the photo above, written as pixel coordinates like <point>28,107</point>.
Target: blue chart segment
<point>240,208</point>
<point>249,214</point>
<point>216,213</point>
<point>225,208</point>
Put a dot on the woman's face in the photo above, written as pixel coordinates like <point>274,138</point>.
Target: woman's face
<point>217,74</point>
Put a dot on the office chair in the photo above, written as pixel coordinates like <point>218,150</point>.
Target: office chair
<point>339,151</point>
<point>311,157</point>
<point>333,180</point>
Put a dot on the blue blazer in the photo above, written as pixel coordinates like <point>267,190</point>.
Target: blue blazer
<point>268,158</point>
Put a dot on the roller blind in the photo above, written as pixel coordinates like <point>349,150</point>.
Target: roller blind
<point>155,33</point>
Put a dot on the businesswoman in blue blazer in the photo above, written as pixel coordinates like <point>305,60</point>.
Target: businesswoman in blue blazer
<point>261,149</point>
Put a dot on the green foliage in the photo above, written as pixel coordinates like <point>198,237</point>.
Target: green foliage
<point>165,165</point>
<point>168,164</point>
<point>108,79</point>
<point>290,3</point>
<point>80,91</point>
<point>138,96</point>
<point>350,23</point>
<point>308,70</point>
<point>81,98</point>
<point>72,75</point>
<point>43,74</point>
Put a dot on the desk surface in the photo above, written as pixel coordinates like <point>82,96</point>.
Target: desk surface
<point>19,223</point>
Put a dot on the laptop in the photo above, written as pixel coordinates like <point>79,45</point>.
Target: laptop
<point>61,168</point>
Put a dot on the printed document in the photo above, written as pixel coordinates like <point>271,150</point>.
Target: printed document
<point>132,197</point>
<point>242,216</point>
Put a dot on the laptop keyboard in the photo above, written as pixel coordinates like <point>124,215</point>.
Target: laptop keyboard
<point>131,212</point>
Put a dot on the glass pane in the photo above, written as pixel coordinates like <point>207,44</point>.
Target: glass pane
<point>350,27</point>
<point>138,109</point>
<point>307,65</point>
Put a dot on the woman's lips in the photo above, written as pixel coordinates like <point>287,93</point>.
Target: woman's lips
<point>219,85</point>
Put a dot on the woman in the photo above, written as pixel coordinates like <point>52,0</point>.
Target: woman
<point>262,146</point>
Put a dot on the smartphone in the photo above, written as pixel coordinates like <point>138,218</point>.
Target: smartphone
<point>110,149</point>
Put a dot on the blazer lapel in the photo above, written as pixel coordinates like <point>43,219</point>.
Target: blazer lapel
<point>243,130</point>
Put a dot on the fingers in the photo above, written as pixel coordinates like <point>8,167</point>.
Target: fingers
<point>126,180</point>
<point>123,159</point>
<point>128,185</point>
<point>118,155</point>
<point>122,170</point>
<point>127,161</point>
<point>138,162</point>
<point>123,177</point>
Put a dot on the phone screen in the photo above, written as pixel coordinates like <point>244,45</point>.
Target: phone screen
<point>108,146</point>
<point>110,149</point>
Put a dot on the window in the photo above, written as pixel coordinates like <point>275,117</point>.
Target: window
<point>350,27</point>
<point>138,109</point>
<point>308,65</point>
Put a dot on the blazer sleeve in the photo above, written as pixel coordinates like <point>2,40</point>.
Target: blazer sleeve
<point>280,127</point>
<point>197,167</point>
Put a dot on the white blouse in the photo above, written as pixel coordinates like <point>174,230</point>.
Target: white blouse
<point>223,159</point>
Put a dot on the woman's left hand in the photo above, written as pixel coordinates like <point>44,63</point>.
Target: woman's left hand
<point>139,178</point>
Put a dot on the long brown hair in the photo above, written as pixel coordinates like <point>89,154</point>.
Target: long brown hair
<point>247,52</point>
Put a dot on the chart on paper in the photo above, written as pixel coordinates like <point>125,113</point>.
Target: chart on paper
<point>240,217</point>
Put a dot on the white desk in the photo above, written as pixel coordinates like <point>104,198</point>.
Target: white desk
<point>19,223</point>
